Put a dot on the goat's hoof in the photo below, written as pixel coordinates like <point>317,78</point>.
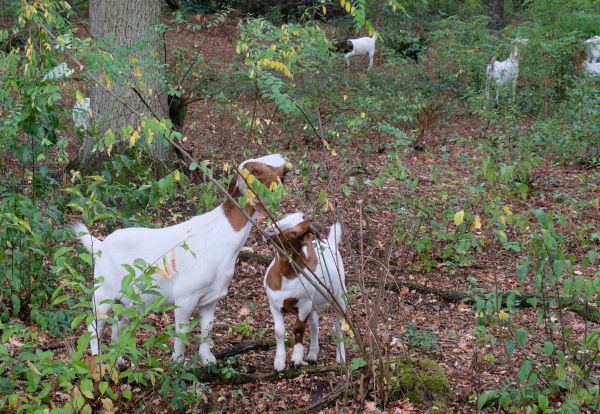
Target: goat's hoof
<point>209,360</point>
<point>311,358</point>
<point>299,364</point>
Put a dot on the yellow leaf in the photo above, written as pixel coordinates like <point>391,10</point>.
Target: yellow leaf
<point>273,46</point>
<point>137,72</point>
<point>324,9</point>
<point>107,404</point>
<point>273,186</point>
<point>133,138</point>
<point>502,219</point>
<point>502,315</point>
<point>459,217</point>
<point>32,367</point>
<point>177,175</point>
<point>348,7</point>
<point>173,261</point>
<point>267,121</point>
<point>101,316</point>
<point>476,223</point>
<point>345,97</point>
<point>289,166</point>
<point>79,97</point>
<point>362,114</point>
<point>226,167</point>
<point>507,210</point>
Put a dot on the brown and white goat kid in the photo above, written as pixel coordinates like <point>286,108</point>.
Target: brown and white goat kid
<point>198,255</point>
<point>291,291</point>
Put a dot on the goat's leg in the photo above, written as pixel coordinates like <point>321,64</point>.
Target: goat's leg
<point>207,315</point>
<point>299,328</point>
<point>96,328</point>
<point>514,87</point>
<point>340,349</point>
<point>182,322</point>
<point>371,55</point>
<point>347,57</point>
<point>116,329</point>
<point>313,350</point>
<point>279,326</point>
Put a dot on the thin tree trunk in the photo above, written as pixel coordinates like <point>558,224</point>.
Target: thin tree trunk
<point>132,23</point>
<point>496,8</point>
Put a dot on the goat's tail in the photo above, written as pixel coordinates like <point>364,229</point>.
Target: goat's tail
<point>88,241</point>
<point>335,235</point>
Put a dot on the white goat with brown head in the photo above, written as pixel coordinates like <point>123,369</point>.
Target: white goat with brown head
<point>198,257</point>
<point>307,279</point>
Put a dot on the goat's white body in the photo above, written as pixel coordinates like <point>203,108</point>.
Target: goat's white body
<point>504,73</point>
<point>591,68</point>
<point>360,47</point>
<point>593,49</point>
<point>81,114</point>
<point>314,294</point>
<point>197,275</point>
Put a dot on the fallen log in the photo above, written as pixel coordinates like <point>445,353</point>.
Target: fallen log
<point>523,300</point>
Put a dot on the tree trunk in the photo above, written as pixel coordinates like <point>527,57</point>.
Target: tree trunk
<point>132,23</point>
<point>496,8</point>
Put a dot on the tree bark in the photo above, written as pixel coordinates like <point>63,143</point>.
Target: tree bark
<point>132,23</point>
<point>496,8</point>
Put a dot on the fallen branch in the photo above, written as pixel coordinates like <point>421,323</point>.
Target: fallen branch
<point>244,347</point>
<point>589,313</point>
<point>330,398</point>
<point>523,300</point>
<point>244,377</point>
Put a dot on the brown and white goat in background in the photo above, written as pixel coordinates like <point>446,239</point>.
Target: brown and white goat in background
<point>291,291</point>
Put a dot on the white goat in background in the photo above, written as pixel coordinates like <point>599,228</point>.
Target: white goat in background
<point>593,49</point>
<point>197,258</point>
<point>359,47</point>
<point>290,291</point>
<point>591,68</point>
<point>504,73</point>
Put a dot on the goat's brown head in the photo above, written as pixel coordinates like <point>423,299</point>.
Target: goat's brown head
<point>268,170</point>
<point>295,235</point>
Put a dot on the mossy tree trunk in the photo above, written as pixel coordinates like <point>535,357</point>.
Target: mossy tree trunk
<point>133,24</point>
<point>496,10</point>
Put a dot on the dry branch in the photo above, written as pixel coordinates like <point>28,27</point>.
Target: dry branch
<point>244,377</point>
<point>589,313</point>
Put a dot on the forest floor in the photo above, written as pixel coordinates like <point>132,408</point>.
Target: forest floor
<point>215,135</point>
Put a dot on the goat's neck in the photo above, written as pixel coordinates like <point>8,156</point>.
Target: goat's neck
<point>235,215</point>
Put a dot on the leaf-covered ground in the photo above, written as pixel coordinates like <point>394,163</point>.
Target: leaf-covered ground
<point>447,161</point>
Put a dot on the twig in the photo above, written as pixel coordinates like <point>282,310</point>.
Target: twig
<point>330,398</point>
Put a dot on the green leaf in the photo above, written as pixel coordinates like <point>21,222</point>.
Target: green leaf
<point>102,386</point>
<point>543,402</point>
<point>87,388</point>
<point>358,363</point>
<point>524,371</point>
<point>548,348</point>
<point>510,348</point>
<point>521,335</point>
<point>86,409</point>
<point>77,320</point>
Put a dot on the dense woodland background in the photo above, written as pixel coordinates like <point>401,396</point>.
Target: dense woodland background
<point>472,227</point>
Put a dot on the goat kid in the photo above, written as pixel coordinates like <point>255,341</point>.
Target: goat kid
<point>291,291</point>
<point>593,49</point>
<point>359,47</point>
<point>82,114</point>
<point>503,73</point>
<point>201,252</point>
